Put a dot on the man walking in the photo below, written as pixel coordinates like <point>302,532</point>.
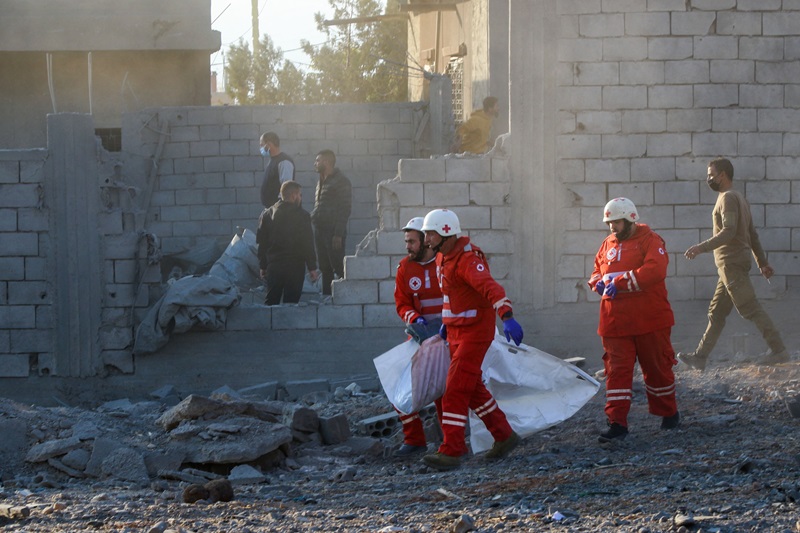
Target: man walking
<point>286,246</point>
<point>734,241</point>
<point>635,318</point>
<point>418,299</point>
<point>332,205</point>
<point>280,168</point>
<point>471,297</point>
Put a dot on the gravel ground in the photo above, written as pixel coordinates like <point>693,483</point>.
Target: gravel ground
<point>732,466</point>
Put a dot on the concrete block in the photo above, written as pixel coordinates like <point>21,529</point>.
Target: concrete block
<point>29,341</point>
<point>602,25</point>
<point>608,170</point>
<point>31,171</point>
<point>204,212</point>
<point>244,131</point>
<point>294,317</point>
<point>734,23</point>
<point>676,193</point>
<point>782,168</point>
<point>760,144</point>
<point>670,48</point>
<point>190,197</point>
<point>218,164</point>
<point>370,131</point>
<point>19,244</point>
<point>779,120</point>
<point>586,194</point>
<point>386,292</point>
<point>234,147</point>
<point>577,98</point>
<point>716,47</point>
<point>670,96</point>
<point>367,163</point>
<point>687,71</point>
<point>29,293</point>
<point>763,96</point>
<point>179,151</point>
<point>179,134</point>
<point>669,144</point>
<point>624,146</point>
<point>489,194</point>
<point>241,318</point>
<point>578,146</point>
<point>296,389</point>
<point>791,51</point>
<point>421,170</point>
<point>248,163</point>
<point>758,5</point>
<point>580,50</point>
<point>641,72</point>
<point>624,48</point>
<point>493,241</point>
<point>570,170</point>
<point>35,268</point>
<point>5,337</point>
<point>640,193</point>
<point>8,220</point>
<point>391,242</point>
<point>365,268</point>
<point>379,426</point>
<point>567,290</point>
<point>644,121</point>
<point>9,171</point>
<point>14,366</point>
<point>625,97</point>
<point>734,120</point>
<point>783,216</point>
<point>13,268</point>
<point>468,169</point>
<point>761,48</point>
<point>647,24</point>
<point>20,195</point>
<point>596,73</point>
<point>578,242</point>
<point>777,72</point>
<point>783,23</point>
<point>599,121</point>
<point>692,216</point>
<point>653,169</point>
<point>724,95</point>
<point>692,23</point>
<point>688,120</point>
<point>712,144</point>
<point>190,229</point>
<point>446,195</point>
<point>174,213</point>
<point>263,391</point>
<point>334,429</point>
<point>381,315</point>
<point>340,316</point>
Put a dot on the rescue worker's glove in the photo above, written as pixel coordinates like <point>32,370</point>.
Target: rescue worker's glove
<point>513,330</point>
<point>443,332</point>
<point>421,320</point>
<point>611,290</point>
<point>599,287</point>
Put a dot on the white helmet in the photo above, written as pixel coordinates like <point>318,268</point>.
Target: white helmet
<point>620,208</point>
<point>415,224</point>
<point>442,221</point>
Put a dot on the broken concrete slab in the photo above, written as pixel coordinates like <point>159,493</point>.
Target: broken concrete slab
<point>245,475</point>
<point>158,461</point>
<point>334,429</point>
<point>262,391</point>
<point>77,459</point>
<point>296,389</point>
<point>125,464</point>
<point>101,449</point>
<point>53,448</point>
<point>195,406</point>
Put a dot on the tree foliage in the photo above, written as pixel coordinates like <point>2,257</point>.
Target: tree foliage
<point>359,62</point>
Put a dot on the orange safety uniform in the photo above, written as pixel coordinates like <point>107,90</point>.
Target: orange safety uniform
<point>416,294</point>
<point>471,300</point>
<point>636,323</point>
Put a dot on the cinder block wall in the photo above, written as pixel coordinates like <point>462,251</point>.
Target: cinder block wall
<point>648,93</point>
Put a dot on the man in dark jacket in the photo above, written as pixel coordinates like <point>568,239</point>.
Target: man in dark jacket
<point>331,212</point>
<point>280,168</point>
<point>286,246</point>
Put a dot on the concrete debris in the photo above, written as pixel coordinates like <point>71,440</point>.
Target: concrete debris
<point>245,474</point>
<point>463,524</point>
<point>52,448</point>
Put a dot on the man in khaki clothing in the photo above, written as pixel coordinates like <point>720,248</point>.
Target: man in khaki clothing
<point>733,242</point>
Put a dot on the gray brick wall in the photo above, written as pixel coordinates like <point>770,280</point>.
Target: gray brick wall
<point>650,92</point>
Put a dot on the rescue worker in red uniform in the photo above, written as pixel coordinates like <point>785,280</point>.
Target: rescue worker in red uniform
<point>635,318</point>
<point>471,298</point>
<point>418,299</point>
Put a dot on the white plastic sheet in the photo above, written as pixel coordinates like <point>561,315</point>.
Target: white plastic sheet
<point>414,375</point>
<point>534,389</point>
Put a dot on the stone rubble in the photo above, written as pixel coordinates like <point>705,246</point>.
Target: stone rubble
<point>731,466</point>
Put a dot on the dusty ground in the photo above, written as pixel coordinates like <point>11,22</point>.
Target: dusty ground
<point>732,466</point>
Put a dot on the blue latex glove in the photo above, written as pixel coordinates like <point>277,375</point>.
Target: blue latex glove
<point>599,287</point>
<point>513,330</point>
<point>443,332</point>
<point>611,290</point>
<point>421,320</point>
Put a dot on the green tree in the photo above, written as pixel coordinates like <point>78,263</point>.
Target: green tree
<point>361,61</point>
<point>259,79</point>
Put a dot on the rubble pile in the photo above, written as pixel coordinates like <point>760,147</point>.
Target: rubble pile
<point>228,462</point>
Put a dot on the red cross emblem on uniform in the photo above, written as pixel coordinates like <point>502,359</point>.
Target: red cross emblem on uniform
<point>446,228</point>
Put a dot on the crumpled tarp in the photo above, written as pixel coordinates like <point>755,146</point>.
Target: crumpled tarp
<point>239,262</point>
<point>189,301</point>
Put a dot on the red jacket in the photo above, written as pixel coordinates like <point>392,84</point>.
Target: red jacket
<point>471,295</point>
<point>416,290</point>
<point>638,267</point>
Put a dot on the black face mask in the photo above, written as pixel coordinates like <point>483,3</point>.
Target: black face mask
<point>713,185</point>
<point>626,232</point>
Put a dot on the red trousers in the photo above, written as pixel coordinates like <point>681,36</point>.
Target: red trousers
<point>464,391</point>
<point>413,430</point>
<point>656,358</point>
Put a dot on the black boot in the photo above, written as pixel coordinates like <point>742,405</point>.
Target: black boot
<point>615,432</point>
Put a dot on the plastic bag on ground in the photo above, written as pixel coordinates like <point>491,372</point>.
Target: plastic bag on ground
<point>534,389</point>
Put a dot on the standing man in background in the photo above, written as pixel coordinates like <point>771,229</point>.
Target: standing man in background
<point>332,204</point>
<point>280,168</point>
<point>286,246</point>
<point>734,242</point>
<point>475,132</point>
